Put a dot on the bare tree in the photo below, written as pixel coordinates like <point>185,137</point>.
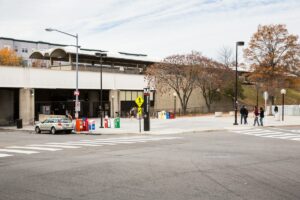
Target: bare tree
<point>226,57</point>
<point>178,73</point>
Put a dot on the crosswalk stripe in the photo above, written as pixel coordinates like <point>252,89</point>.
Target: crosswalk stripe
<point>76,144</point>
<point>96,142</point>
<point>53,145</point>
<point>248,130</point>
<point>18,151</point>
<point>33,148</point>
<point>268,133</point>
<point>276,133</point>
<point>285,136</point>
<point>4,155</point>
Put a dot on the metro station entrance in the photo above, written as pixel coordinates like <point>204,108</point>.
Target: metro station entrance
<point>62,101</point>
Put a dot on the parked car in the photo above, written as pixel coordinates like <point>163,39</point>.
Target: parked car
<point>54,125</point>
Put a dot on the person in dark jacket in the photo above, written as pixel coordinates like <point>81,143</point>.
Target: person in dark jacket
<point>276,109</point>
<point>246,116</point>
<point>242,112</point>
<point>256,113</point>
<point>261,115</point>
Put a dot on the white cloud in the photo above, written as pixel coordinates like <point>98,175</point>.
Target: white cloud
<point>155,27</point>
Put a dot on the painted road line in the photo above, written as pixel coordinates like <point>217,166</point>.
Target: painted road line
<point>18,151</point>
<point>33,148</point>
<point>286,136</point>
<point>297,139</point>
<point>75,144</point>
<point>282,135</point>
<point>258,132</point>
<point>269,133</point>
<point>247,131</point>
<point>53,145</point>
<point>2,155</point>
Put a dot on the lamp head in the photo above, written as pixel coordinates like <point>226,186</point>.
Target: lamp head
<point>283,91</point>
<point>240,43</point>
<point>49,29</point>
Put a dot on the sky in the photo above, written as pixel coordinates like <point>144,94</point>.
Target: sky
<point>158,28</point>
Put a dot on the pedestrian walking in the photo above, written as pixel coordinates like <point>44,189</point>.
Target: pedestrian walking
<point>276,109</point>
<point>246,116</point>
<point>242,112</point>
<point>256,114</point>
<point>261,115</point>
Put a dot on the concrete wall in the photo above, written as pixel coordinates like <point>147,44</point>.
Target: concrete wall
<point>26,105</point>
<point>196,103</point>
<point>6,106</point>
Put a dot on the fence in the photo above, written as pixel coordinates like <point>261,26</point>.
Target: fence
<point>194,110</point>
<point>291,110</point>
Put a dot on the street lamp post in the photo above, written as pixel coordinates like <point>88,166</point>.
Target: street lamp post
<point>283,92</point>
<point>175,95</point>
<point>112,106</point>
<point>240,43</point>
<point>100,106</point>
<point>77,108</point>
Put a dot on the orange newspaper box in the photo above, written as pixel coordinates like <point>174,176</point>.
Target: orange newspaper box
<point>78,125</point>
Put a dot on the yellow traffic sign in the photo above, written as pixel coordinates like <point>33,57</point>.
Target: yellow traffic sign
<point>139,101</point>
<point>140,110</point>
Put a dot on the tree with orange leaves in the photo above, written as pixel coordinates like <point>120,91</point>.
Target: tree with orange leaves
<point>273,54</point>
<point>9,57</point>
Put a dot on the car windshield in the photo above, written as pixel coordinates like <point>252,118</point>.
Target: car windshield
<point>64,120</point>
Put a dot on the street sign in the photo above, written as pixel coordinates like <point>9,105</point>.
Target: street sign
<point>140,110</point>
<point>139,101</point>
<point>77,106</point>
<point>266,95</point>
<point>76,93</point>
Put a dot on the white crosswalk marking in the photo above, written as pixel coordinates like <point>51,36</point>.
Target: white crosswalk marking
<point>18,151</point>
<point>33,148</point>
<point>274,133</point>
<point>4,155</point>
<point>76,144</point>
<point>56,146</point>
<point>53,145</point>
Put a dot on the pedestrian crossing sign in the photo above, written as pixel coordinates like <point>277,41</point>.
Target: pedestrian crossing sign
<point>140,110</point>
<point>139,101</point>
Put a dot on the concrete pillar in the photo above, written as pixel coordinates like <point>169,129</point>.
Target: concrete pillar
<point>26,106</point>
<point>93,97</point>
<point>114,99</point>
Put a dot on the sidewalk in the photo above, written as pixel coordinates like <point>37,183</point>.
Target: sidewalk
<point>180,125</point>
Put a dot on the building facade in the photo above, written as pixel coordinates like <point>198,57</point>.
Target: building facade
<point>47,88</point>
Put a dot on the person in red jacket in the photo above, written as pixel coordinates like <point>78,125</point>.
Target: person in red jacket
<point>256,114</point>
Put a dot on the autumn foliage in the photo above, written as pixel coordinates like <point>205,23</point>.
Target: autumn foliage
<point>273,55</point>
<point>9,57</point>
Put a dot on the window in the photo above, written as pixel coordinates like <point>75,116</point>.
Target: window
<point>24,50</point>
<point>16,48</point>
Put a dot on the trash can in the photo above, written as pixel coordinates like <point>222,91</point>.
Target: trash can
<point>117,122</point>
<point>172,116</point>
<point>167,115</point>
<point>19,123</point>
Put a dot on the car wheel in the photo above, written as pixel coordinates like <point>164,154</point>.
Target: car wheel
<point>53,131</point>
<point>37,130</point>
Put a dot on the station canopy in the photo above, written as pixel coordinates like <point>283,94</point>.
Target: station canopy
<point>92,56</point>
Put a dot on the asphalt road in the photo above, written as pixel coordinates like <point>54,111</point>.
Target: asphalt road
<point>207,165</point>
